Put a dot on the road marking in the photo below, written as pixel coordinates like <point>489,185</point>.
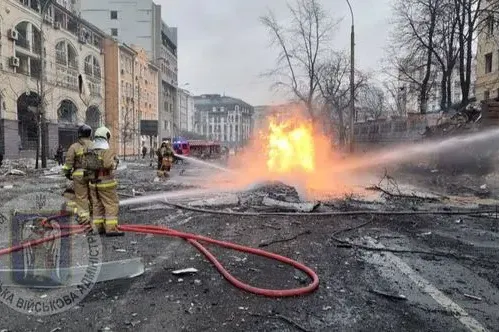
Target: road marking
<point>457,311</point>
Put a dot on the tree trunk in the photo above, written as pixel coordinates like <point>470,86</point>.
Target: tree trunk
<point>423,100</point>
<point>341,124</point>
<point>443,91</point>
<point>450,82</point>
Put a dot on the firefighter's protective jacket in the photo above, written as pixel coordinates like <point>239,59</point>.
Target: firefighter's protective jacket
<point>109,160</point>
<point>165,151</point>
<point>74,157</point>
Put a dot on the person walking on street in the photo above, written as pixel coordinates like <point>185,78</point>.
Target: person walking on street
<point>144,152</point>
<point>103,185</point>
<point>59,155</point>
<point>73,170</point>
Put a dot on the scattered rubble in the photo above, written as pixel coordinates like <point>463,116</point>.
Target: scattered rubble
<point>297,207</point>
<point>190,270</point>
<point>221,200</point>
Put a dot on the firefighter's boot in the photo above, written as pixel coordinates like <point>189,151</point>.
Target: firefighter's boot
<point>112,230</point>
<point>99,228</point>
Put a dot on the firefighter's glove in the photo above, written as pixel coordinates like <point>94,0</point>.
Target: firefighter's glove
<point>68,175</point>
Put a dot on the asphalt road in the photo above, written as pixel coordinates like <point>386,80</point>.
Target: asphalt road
<point>440,274</point>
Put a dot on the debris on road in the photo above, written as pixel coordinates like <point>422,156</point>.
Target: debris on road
<point>16,172</point>
<point>266,244</point>
<point>388,295</point>
<point>222,200</point>
<point>189,270</point>
<point>297,207</point>
<point>473,297</point>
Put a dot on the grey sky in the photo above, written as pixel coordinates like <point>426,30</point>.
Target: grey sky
<point>224,48</point>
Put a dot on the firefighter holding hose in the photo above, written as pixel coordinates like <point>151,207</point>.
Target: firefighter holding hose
<point>73,170</point>
<point>101,162</point>
<point>165,158</point>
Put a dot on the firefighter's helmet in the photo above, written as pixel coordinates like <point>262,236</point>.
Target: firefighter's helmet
<point>84,131</point>
<point>103,132</point>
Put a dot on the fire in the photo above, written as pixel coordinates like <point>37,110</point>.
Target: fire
<point>290,147</point>
<point>291,150</point>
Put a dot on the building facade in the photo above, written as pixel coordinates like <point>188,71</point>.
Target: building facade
<point>185,110</point>
<point>487,60</point>
<point>131,96</point>
<point>139,23</point>
<point>225,119</point>
<point>70,85</point>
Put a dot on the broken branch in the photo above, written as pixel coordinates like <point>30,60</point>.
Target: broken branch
<point>266,244</point>
<point>348,244</point>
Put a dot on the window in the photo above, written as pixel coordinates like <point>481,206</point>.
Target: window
<point>114,32</point>
<point>486,95</point>
<point>114,14</point>
<point>488,63</point>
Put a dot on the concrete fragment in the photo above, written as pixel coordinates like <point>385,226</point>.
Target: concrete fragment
<point>185,271</point>
<point>16,172</point>
<point>298,207</point>
<point>53,171</point>
<point>222,200</point>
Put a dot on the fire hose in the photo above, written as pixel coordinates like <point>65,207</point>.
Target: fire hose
<point>194,240</point>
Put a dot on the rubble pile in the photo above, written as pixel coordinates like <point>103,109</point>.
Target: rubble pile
<point>271,190</point>
<point>470,159</point>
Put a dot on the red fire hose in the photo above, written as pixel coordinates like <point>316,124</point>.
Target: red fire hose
<point>195,241</point>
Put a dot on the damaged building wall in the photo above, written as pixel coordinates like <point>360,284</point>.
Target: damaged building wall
<point>73,76</point>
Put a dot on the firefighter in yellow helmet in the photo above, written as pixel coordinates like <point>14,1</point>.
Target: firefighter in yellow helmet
<point>105,202</point>
<point>73,170</point>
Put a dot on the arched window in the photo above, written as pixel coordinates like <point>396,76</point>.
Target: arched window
<point>66,54</point>
<point>92,67</point>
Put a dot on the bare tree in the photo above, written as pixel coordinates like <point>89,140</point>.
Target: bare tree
<point>396,97</point>
<point>302,45</point>
<point>372,101</point>
<point>415,33</point>
<point>333,83</point>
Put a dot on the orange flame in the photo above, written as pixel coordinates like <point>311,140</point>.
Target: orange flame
<point>290,148</point>
<point>293,151</point>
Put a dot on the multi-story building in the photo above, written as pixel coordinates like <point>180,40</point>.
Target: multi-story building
<point>487,60</point>
<point>131,96</point>
<point>185,110</point>
<point>225,119</point>
<point>139,23</point>
<point>70,85</point>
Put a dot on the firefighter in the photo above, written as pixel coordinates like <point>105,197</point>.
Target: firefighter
<point>165,156</point>
<point>73,170</point>
<point>159,154</point>
<point>103,185</point>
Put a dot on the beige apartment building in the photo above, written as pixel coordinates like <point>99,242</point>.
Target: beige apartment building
<point>131,96</point>
<point>487,60</point>
<point>72,80</point>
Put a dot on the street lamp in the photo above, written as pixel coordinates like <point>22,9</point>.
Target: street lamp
<point>352,80</point>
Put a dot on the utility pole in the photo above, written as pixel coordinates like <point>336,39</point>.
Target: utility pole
<point>41,107</point>
<point>352,81</point>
